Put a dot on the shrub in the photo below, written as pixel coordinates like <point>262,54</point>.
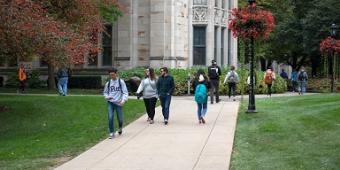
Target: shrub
<point>181,80</point>
<point>34,81</point>
<point>85,82</point>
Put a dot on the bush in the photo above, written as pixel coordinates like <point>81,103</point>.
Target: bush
<point>181,80</point>
<point>85,82</point>
<point>34,81</point>
<point>12,81</point>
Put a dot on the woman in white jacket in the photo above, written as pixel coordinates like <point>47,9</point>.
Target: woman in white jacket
<point>148,89</point>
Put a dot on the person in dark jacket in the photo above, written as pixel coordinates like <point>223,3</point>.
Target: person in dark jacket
<point>214,73</point>
<point>165,88</point>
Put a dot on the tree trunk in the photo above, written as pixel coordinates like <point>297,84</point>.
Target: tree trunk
<point>51,79</point>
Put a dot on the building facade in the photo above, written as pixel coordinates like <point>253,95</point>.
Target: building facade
<point>172,33</point>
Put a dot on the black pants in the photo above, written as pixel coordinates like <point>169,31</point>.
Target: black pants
<point>269,86</point>
<point>232,89</point>
<point>214,88</point>
<point>150,105</point>
<point>22,86</point>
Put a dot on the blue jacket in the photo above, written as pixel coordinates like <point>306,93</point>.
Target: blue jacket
<point>165,85</point>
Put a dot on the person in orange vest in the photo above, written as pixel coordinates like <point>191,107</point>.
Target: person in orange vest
<point>22,78</point>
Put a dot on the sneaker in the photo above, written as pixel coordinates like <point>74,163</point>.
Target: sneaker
<point>111,135</point>
<point>120,131</point>
<point>218,100</point>
<point>151,122</point>
<point>149,119</point>
<point>203,121</point>
<point>166,122</point>
<point>200,121</point>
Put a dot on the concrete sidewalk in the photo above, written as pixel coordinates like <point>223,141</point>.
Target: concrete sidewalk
<point>181,145</point>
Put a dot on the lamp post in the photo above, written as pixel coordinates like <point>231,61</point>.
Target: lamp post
<point>251,104</point>
<point>333,35</point>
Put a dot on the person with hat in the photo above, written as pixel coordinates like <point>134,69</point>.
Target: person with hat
<point>201,97</point>
<point>214,73</point>
<point>116,94</point>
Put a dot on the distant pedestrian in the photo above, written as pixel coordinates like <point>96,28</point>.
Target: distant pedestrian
<point>201,87</point>
<point>63,75</point>
<point>116,94</point>
<point>214,73</point>
<point>269,77</point>
<point>165,88</point>
<point>148,88</point>
<point>283,74</point>
<point>302,81</point>
<point>22,75</point>
<point>294,80</point>
<point>232,79</point>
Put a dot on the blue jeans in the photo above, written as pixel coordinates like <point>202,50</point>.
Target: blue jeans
<point>201,110</point>
<point>62,85</point>
<point>302,86</point>
<point>111,108</point>
<point>165,103</point>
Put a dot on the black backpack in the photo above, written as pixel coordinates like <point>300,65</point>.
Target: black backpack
<point>213,72</point>
<point>302,76</point>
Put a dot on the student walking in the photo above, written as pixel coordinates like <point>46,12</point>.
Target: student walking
<point>116,94</point>
<point>302,81</point>
<point>165,88</point>
<point>201,96</point>
<point>214,73</point>
<point>294,80</point>
<point>232,79</point>
<point>269,77</point>
<point>22,78</point>
<point>63,74</point>
<point>149,92</point>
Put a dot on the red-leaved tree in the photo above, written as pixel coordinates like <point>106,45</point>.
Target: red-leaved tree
<point>59,31</point>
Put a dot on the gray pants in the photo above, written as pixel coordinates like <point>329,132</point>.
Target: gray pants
<point>214,89</point>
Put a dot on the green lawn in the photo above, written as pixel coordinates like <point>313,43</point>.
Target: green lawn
<point>289,133</point>
<point>46,91</point>
<point>39,132</point>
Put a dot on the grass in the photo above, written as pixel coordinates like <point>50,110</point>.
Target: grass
<point>40,132</point>
<point>46,91</point>
<point>289,133</point>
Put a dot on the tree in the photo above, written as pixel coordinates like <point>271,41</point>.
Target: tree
<point>59,31</point>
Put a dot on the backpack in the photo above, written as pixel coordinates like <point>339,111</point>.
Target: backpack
<point>201,94</point>
<point>213,72</point>
<point>232,78</point>
<point>302,76</point>
<point>268,79</point>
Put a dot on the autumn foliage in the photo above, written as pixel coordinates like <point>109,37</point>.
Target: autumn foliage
<point>329,45</point>
<point>250,22</point>
<point>58,31</point>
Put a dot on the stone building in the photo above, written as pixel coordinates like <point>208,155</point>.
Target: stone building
<point>173,33</point>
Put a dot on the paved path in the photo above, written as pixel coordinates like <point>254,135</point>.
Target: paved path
<point>181,145</point>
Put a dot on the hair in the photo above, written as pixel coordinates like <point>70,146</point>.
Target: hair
<point>198,73</point>
<point>112,70</point>
<point>270,67</point>
<point>165,69</point>
<point>232,68</point>
<point>151,73</point>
